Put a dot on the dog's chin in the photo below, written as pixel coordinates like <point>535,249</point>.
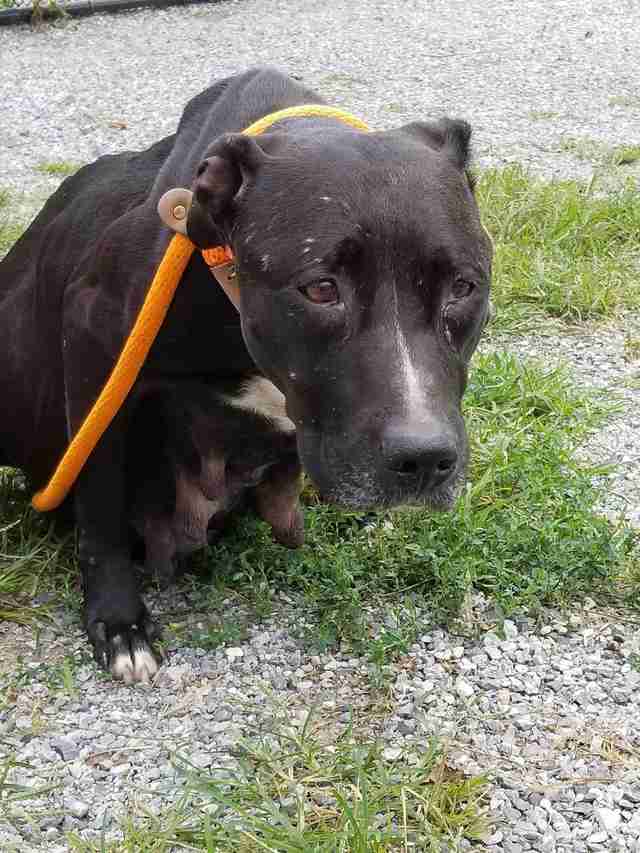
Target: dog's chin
<point>439,500</point>
<point>365,495</point>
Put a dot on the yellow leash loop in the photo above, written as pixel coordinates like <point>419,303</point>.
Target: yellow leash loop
<point>304,111</point>
<point>147,325</point>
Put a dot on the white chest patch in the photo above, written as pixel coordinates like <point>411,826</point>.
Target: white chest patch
<point>261,396</point>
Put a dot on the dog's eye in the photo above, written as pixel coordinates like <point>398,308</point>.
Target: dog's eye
<point>321,292</point>
<point>462,288</point>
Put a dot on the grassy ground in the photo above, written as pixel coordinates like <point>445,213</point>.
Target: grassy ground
<point>9,229</point>
<point>564,249</point>
<point>293,794</point>
<point>527,532</point>
<point>58,168</point>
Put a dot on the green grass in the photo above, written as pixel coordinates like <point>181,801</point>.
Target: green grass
<point>624,101</point>
<point>58,168</point>
<point>37,6</point>
<point>314,792</point>
<point>631,347</point>
<point>33,555</point>
<point>58,677</point>
<point>17,807</point>
<point>9,234</point>
<point>542,115</point>
<point>599,153</point>
<point>625,155</point>
<point>9,231</point>
<point>211,633</point>
<point>584,148</point>
<point>562,249</point>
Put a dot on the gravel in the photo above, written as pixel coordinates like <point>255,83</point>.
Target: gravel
<point>550,713</point>
<point>527,75</point>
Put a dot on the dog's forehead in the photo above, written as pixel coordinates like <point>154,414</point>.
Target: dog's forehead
<point>357,162</point>
<point>347,175</point>
<point>319,205</point>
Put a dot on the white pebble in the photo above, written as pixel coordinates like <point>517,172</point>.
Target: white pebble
<point>233,653</point>
<point>391,753</point>
<point>77,808</point>
<point>464,688</point>
<point>510,629</point>
<point>609,818</point>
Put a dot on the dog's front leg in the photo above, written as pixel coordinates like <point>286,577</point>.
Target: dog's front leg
<point>117,621</point>
<point>116,618</point>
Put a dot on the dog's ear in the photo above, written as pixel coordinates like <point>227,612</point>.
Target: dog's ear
<point>228,167</point>
<point>450,135</point>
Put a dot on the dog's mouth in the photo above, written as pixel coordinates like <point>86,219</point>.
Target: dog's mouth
<point>362,492</point>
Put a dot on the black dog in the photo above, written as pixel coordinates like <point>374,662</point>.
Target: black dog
<point>364,275</point>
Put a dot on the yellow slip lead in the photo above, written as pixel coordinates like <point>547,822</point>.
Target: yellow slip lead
<point>304,111</point>
<point>147,325</point>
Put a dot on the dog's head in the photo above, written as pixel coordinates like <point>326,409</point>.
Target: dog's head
<point>364,277</point>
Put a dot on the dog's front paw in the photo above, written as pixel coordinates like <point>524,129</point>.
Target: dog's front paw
<point>126,650</point>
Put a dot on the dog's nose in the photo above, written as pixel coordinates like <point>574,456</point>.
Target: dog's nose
<point>416,453</point>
